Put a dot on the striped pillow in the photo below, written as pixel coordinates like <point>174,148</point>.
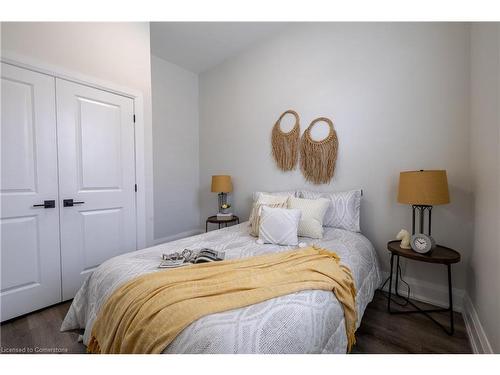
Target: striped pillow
<point>266,199</point>
<point>289,193</point>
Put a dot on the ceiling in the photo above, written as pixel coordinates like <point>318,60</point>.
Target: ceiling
<point>199,46</point>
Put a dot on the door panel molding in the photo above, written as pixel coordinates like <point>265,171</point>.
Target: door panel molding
<point>98,149</point>
<point>15,165</point>
<point>24,268</point>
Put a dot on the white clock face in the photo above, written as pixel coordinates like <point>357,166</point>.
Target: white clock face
<point>420,243</point>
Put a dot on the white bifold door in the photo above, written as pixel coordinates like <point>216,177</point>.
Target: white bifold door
<point>30,256</point>
<point>96,179</point>
<point>67,186</point>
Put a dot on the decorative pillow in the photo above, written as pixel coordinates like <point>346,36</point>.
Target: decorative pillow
<point>264,198</point>
<point>291,193</point>
<point>256,212</point>
<point>279,226</point>
<point>343,210</point>
<point>313,211</point>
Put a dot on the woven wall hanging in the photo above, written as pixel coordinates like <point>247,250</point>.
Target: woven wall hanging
<point>317,158</point>
<point>285,146</point>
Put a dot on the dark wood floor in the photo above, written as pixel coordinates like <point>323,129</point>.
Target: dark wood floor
<point>38,332</point>
<point>382,333</point>
<point>378,333</point>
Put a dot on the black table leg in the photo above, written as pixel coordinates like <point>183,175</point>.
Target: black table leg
<point>426,312</point>
<point>396,289</point>
<point>390,284</point>
<point>450,296</point>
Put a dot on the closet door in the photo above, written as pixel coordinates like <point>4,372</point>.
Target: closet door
<point>96,179</point>
<point>30,256</point>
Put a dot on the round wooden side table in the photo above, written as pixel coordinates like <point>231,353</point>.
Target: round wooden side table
<point>214,220</point>
<point>438,255</point>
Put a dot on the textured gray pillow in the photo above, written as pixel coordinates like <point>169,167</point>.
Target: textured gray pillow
<point>343,210</point>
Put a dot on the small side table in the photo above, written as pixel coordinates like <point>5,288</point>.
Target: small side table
<point>438,255</point>
<point>214,220</point>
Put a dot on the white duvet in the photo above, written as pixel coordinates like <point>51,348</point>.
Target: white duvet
<point>310,321</point>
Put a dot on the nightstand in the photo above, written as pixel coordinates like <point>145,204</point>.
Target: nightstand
<point>214,220</point>
<point>438,255</point>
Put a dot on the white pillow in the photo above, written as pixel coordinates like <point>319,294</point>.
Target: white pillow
<point>313,211</point>
<point>279,226</point>
<point>256,212</point>
<point>343,210</point>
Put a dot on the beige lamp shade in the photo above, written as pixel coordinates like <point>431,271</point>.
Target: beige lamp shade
<point>428,188</point>
<point>222,184</point>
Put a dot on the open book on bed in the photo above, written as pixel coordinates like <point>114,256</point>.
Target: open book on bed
<point>189,256</point>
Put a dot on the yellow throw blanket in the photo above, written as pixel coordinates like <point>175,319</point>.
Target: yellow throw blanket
<point>147,313</point>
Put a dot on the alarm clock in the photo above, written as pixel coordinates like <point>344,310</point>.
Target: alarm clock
<point>422,243</point>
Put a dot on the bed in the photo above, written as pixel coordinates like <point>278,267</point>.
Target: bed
<point>310,321</point>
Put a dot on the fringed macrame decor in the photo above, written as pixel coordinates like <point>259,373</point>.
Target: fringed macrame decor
<point>285,146</point>
<point>317,158</point>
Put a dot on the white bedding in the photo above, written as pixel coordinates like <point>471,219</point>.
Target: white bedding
<point>305,322</point>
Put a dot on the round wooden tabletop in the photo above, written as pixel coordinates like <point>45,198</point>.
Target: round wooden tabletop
<point>440,254</point>
<point>213,219</point>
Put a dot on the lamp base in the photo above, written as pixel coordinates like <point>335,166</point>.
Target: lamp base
<point>222,201</point>
<point>421,209</point>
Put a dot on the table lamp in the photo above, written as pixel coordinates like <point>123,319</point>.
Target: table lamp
<point>222,184</point>
<point>423,189</point>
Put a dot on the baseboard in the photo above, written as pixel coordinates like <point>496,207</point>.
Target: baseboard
<point>177,236</point>
<point>477,336</point>
<point>429,292</point>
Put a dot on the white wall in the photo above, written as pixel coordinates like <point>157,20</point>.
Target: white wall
<point>483,285</point>
<point>113,52</point>
<point>399,96</point>
<point>176,146</point>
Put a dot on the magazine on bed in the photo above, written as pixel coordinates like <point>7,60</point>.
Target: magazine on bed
<point>189,256</point>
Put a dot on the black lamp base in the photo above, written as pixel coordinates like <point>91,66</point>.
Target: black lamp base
<point>421,209</point>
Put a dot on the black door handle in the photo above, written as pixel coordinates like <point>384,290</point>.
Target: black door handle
<point>70,203</point>
<point>46,204</point>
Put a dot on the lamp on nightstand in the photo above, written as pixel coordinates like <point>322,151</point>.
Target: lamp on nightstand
<point>222,184</point>
<point>423,190</point>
